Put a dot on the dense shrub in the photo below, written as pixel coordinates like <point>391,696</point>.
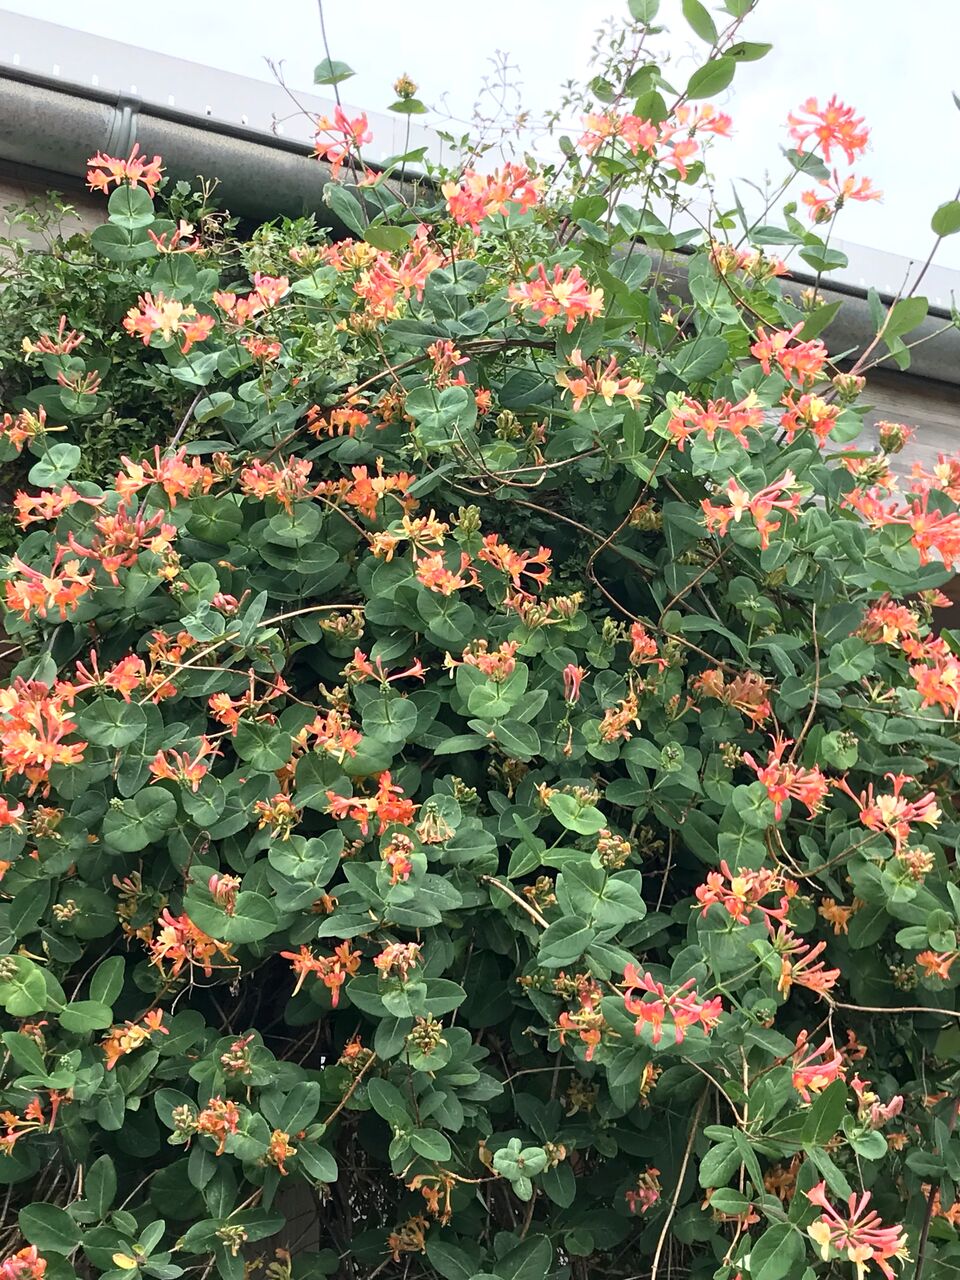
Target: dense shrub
<point>480,790</point>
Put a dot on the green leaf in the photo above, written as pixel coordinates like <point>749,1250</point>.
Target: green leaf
<point>904,316</point>
<point>100,1186</point>
<point>85,1015</point>
<point>778,1254</point>
<point>49,1227</point>
<point>331,72</point>
<point>130,825</point>
<point>712,79</point>
<point>748,51</point>
<point>586,820</point>
<point>823,1119</point>
<point>946,220</point>
<point>130,207</point>
<point>643,10</point>
<point>531,1260</point>
<point>564,942</point>
<point>110,722</point>
<point>430,1144</point>
<point>55,467</point>
<point>25,992</point>
<point>265,747</point>
<point>698,18</point>
<point>345,206</point>
<point>107,981</point>
<point>392,239</point>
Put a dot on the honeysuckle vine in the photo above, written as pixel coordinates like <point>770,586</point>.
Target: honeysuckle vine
<point>480,760</point>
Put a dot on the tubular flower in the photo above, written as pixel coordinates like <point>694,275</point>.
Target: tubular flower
<point>569,296</point>
<point>814,1069</point>
<point>717,415</point>
<point>752,262</point>
<point>35,594</point>
<point>218,1120</point>
<point>386,806</point>
<point>761,506</point>
<point>332,970</point>
<point>10,817</point>
<point>937,964</point>
<point>683,1006</point>
<point>181,942</point>
<point>870,1110</point>
<point>175,476</point>
<point>27,1264</point>
<point>572,679</point>
<point>336,138</point>
<point>888,623</point>
<point>332,733</point>
<point>945,475</point>
<point>33,724</point>
<point>181,767</point>
<point>67,340</point>
<point>645,1194</point>
<point>803,361</point>
<point>387,280</point>
<point>859,1238</point>
<point>119,536</point>
<point>810,412</point>
<point>107,171</point>
<point>834,125</point>
<point>598,381</point>
<point>432,572</point>
<point>747,692</point>
<point>587,1022</point>
<point>834,194</point>
<point>497,664</point>
<point>789,781</point>
<point>741,894</point>
<point>934,534</point>
<point>47,505</point>
<point>360,669</point>
<point>397,959</point>
<point>892,814</point>
<point>131,1036</point>
<point>619,720</point>
<point>516,564</point>
<point>285,484</point>
<point>635,133</point>
<point>23,428</point>
<point>939,682</point>
<point>168,317</point>
<point>800,963</point>
<point>477,195</point>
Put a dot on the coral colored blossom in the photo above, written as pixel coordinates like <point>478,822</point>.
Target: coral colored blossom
<point>683,1006</point>
<point>560,294</point>
<point>815,1068</point>
<point>107,171</point>
<point>716,415</point>
<point>785,781</point>
<point>860,1237</point>
<point>483,195</point>
<point>834,125</point>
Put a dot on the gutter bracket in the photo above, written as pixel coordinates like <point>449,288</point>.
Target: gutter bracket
<point>122,133</point>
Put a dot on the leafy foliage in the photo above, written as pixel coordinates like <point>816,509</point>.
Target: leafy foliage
<point>481,771</point>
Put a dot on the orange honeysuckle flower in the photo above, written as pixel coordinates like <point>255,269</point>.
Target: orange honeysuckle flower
<point>834,125</point>
<point>937,964</point>
<point>477,195</point>
<point>598,381</point>
<point>814,1069</point>
<point>716,415</point>
<point>683,1006</point>
<point>107,171</point>
<point>801,360</point>
<point>891,814</point>
<point>337,137</point>
<point>567,295</point>
<point>859,1238</point>
<point>387,806</point>
<point>785,781</point>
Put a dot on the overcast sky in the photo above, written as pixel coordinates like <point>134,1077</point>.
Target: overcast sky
<point>896,63</point>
